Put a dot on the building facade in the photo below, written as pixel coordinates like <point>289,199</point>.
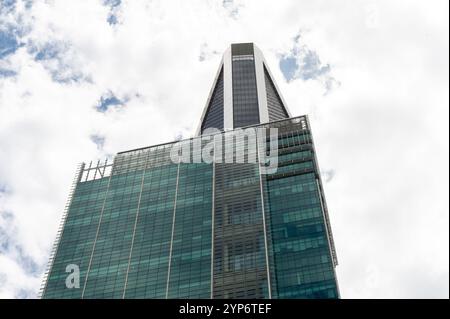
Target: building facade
<point>153,225</point>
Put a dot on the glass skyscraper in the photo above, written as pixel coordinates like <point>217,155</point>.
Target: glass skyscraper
<point>147,226</point>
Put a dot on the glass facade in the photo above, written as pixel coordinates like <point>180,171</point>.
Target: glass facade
<point>239,247</point>
<point>302,249</point>
<point>148,227</point>
<point>245,95</point>
<point>78,238</point>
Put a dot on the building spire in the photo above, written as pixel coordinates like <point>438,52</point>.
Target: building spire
<point>243,92</point>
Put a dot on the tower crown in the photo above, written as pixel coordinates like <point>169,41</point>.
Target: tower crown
<point>243,92</point>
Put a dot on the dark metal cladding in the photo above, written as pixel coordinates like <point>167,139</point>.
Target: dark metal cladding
<point>214,114</point>
<point>245,94</point>
<point>242,49</point>
<point>275,106</point>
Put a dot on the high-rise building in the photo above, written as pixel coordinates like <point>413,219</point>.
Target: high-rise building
<point>165,222</point>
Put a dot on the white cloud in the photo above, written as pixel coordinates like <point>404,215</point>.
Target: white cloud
<point>383,132</point>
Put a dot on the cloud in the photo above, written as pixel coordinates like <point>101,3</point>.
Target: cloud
<point>232,7</point>
<point>328,175</point>
<point>58,59</point>
<point>300,62</point>
<point>80,80</point>
<point>98,140</point>
<point>106,101</point>
<point>113,15</point>
<point>8,44</point>
<point>206,53</point>
<point>6,73</point>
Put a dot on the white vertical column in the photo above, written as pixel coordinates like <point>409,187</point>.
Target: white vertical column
<point>261,86</point>
<point>227,91</point>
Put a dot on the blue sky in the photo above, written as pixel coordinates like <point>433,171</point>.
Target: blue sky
<point>81,80</point>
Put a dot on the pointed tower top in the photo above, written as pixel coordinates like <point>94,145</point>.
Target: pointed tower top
<point>243,92</point>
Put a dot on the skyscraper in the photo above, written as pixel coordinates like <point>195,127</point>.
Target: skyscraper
<point>165,222</point>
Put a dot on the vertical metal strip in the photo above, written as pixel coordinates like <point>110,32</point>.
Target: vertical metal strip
<point>88,171</point>
<point>328,235</point>
<point>269,286</point>
<point>134,232</point>
<point>173,229</point>
<point>96,169</point>
<point>322,196</point>
<point>96,236</point>
<point>104,167</point>
<point>212,217</point>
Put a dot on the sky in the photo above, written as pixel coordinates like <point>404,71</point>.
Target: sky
<point>82,80</point>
